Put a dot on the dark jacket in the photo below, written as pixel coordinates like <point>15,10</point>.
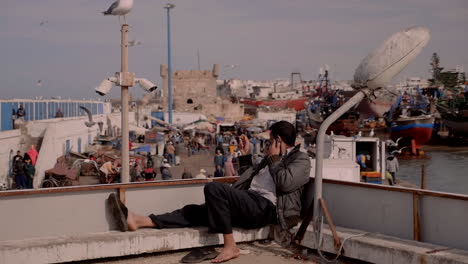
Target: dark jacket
<point>290,173</point>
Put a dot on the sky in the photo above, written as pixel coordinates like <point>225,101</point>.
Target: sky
<point>77,47</point>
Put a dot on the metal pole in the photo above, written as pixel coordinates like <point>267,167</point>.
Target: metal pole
<point>125,172</point>
<point>169,64</point>
<point>320,147</point>
<point>423,176</point>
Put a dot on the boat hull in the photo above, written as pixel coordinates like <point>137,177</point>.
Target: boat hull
<point>381,103</point>
<point>376,108</point>
<point>418,128</point>
<point>458,128</point>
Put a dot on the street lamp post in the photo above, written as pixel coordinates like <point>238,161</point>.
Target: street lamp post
<point>125,173</point>
<point>168,7</point>
<point>124,79</point>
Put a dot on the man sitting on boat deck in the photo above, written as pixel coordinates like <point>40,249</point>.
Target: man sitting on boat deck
<point>269,193</point>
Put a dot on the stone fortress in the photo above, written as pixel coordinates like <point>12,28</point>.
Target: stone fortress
<point>196,91</point>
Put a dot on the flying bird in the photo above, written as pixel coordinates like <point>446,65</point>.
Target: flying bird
<point>120,8</point>
<point>43,22</point>
<point>39,83</point>
<point>133,43</point>
<point>398,151</point>
<point>390,142</point>
<point>89,123</point>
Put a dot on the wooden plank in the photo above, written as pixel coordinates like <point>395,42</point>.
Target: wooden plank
<point>230,179</point>
<point>226,180</point>
<point>400,189</point>
<point>416,218</point>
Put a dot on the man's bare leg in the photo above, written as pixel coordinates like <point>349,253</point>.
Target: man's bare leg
<point>135,221</point>
<point>229,250</point>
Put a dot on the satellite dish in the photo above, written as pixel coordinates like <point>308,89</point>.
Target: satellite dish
<point>380,66</point>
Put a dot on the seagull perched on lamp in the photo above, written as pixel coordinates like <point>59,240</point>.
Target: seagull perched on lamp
<point>120,8</point>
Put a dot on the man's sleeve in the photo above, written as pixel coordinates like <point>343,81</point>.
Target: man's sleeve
<point>245,162</point>
<point>291,177</point>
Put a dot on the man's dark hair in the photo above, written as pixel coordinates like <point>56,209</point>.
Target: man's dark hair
<point>285,130</point>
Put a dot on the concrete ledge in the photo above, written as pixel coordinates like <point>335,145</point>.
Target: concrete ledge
<point>377,248</point>
<point>114,244</point>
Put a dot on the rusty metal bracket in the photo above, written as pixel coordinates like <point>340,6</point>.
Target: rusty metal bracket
<point>336,238</point>
<point>416,217</point>
<point>122,195</point>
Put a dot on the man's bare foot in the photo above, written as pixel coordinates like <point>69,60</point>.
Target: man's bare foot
<point>135,221</point>
<point>131,221</point>
<point>226,254</point>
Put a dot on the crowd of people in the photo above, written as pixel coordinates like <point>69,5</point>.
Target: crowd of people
<point>22,168</point>
<point>173,146</point>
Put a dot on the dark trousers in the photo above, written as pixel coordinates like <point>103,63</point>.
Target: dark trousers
<point>224,208</point>
<point>393,177</point>
<point>21,181</point>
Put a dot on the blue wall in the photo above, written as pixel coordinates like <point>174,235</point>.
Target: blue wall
<point>45,110</point>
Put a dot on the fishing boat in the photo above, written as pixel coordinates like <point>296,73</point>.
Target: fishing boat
<point>455,116</point>
<point>378,107</point>
<point>418,128</point>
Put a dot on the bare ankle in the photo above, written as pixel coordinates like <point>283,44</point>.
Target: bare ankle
<point>131,222</point>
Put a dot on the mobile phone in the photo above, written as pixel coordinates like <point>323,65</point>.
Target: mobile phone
<point>278,145</point>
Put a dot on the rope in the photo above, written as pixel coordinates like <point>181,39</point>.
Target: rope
<point>320,242</point>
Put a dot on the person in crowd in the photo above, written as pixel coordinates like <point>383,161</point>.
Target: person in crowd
<point>201,142</point>
<point>134,175</point>
<point>219,171</point>
<point>219,159</point>
<point>149,174</point>
<point>59,113</point>
<point>32,152</point>
<point>361,159</point>
<point>253,142</point>
<point>20,174</point>
<point>219,139</point>
<point>232,145</point>
<point>21,113</point>
<point>165,171</point>
<point>186,174</point>
<point>170,150</point>
<point>229,166</point>
<point>392,166</point>
<point>29,171</point>
<point>108,169</point>
<point>220,148</point>
<point>160,145</point>
<point>266,194</point>
<point>195,145</point>
<point>189,147</point>
<point>178,149</point>
<point>149,160</point>
<point>17,157</point>
<point>201,175</point>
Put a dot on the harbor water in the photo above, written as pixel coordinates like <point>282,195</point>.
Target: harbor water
<point>446,169</point>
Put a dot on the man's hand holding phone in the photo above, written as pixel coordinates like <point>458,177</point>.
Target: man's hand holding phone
<point>275,147</point>
<point>244,145</point>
